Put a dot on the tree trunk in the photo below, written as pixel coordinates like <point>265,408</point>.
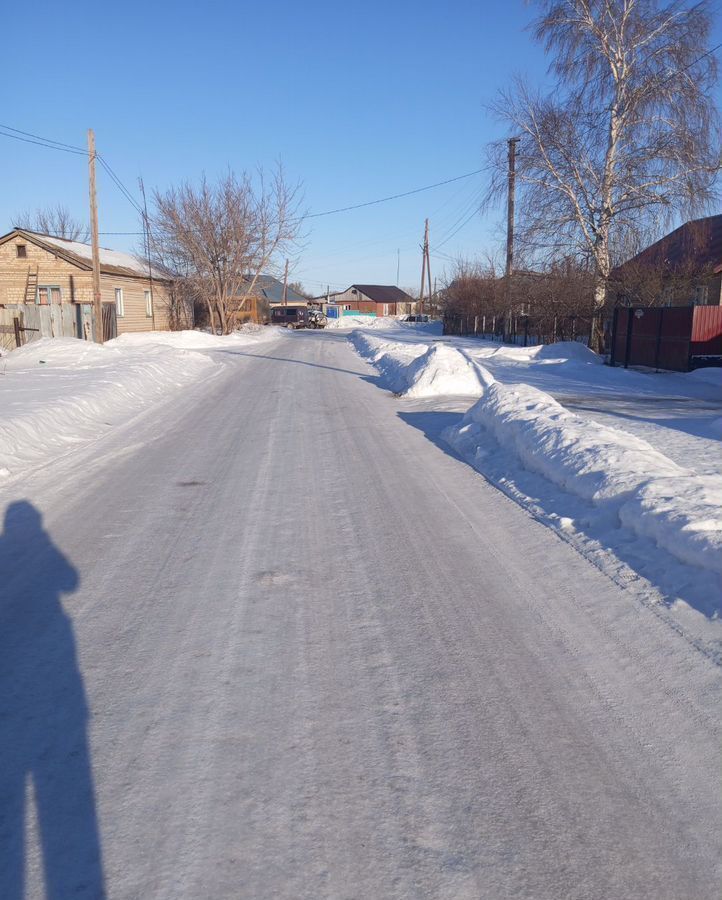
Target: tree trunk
<point>596,341</point>
<point>211,317</point>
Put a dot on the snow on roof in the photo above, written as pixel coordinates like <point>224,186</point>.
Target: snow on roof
<point>115,258</point>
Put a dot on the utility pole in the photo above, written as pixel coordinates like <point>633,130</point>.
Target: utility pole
<point>510,230</point>
<point>424,263</point>
<point>285,285</point>
<point>428,267</point>
<point>97,301</point>
<point>146,240</point>
<point>398,265</point>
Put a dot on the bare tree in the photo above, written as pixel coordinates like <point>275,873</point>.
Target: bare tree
<point>628,139</point>
<point>56,221</point>
<point>298,287</point>
<point>220,237</point>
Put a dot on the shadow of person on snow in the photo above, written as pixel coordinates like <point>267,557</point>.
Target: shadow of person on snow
<point>44,756</point>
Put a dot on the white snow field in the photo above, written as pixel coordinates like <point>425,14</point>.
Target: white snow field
<point>56,393</point>
<point>637,510</point>
<point>273,638</point>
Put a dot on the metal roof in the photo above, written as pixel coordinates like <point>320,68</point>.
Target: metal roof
<point>383,293</point>
<point>696,245</point>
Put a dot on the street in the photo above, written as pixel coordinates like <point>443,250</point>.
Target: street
<point>273,639</point>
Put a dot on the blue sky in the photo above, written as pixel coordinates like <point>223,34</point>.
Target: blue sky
<point>359,101</point>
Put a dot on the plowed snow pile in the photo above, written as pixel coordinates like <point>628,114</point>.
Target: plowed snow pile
<point>444,370</point>
<point>641,487</point>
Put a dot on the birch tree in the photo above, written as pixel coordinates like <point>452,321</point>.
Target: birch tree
<point>220,237</point>
<point>629,137</point>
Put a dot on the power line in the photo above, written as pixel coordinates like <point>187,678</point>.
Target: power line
<point>428,187</point>
<point>121,187</point>
<point>42,143</point>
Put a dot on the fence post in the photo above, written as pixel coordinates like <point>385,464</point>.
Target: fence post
<point>613,354</point>
<point>659,338</point>
<point>526,330</point>
<point>18,336</point>
<point>628,343</point>
<point>476,325</point>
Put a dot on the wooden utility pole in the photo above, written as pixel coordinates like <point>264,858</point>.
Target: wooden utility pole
<point>285,285</point>
<point>97,301</point>
<point>424,264</point>
<point>510,230</point>
<point>146,241</point>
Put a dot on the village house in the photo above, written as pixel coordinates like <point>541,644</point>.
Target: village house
<point>39,271</point>
<point>378,299</point>
<point>684,268</point>
<point>267,294</point>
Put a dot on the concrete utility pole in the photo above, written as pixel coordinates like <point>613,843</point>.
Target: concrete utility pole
<point>285,285</point>
<point>510,230</point>
<point>97,301</point>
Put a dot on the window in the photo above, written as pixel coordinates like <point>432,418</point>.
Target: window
<point>148,304</point>
<point>48,293</point>
<point>22,251</point>
<point>119,305</point>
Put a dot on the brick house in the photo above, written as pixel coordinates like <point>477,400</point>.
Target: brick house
<point>380,299</point>
<point>42,270</point>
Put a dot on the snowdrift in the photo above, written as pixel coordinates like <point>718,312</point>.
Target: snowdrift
<point>644,489</point>
<point>386,322</point>
<point>57,393</point>
<point>444,370</point>
<point>418,370</point>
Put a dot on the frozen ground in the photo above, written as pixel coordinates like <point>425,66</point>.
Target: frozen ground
<point>272,638</point>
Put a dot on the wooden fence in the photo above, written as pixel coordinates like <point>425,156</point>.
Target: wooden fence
<point>22,323</point>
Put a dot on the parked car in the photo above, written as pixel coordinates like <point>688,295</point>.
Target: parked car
<point>416,318</point>
<point>298,317</point>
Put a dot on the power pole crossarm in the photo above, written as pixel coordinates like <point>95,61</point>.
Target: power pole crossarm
<point>97,300</point>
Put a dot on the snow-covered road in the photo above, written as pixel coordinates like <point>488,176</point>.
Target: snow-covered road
<point>273,640</point>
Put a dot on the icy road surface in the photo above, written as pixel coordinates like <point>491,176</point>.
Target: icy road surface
<point>270,640</point>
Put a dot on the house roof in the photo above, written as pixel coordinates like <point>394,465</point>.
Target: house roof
<point>112,262</point>
<point>696,244</point>
<point>272,290</point>
<point>383,293</point>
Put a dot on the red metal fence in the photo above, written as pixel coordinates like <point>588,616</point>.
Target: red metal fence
<point>666,337</point>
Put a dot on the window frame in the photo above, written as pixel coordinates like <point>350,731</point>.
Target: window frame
<point>148,296</point>
<point>119,303</point>
<point>49,288</point>
<point>21,251</point>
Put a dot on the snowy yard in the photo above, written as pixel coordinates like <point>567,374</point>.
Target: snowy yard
<point>625,465</point>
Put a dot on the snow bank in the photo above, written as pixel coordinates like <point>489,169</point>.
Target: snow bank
<point>199,340</point>
<point>417,370</point>
<point>709,375</point>
<point>56,393</point>
<point>386,322</point>
<point>568,351</point>
<point>444,370</point>
<point>647,491</point>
